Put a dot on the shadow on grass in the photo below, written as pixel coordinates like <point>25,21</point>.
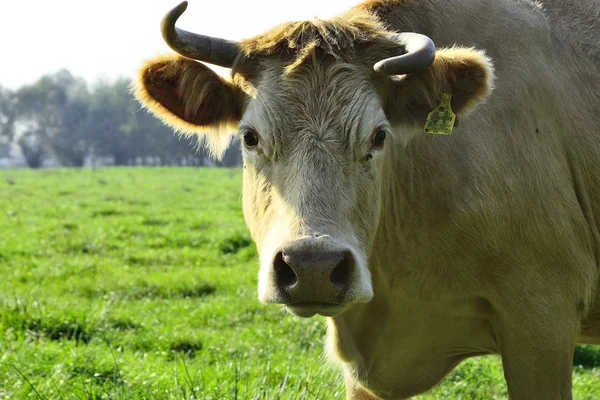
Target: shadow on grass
<point>233,244</point>
<point>184,347</point>
<point>121,324</point>
<point>48,327</point>
<point>98,374</point>
<point>109,212</point>
<point>153,221</point>
<point>155,291</point>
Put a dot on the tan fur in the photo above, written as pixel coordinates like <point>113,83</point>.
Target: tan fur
<point>578,22</point>
<point>186,95</point>
<point>296,41</point>
<point>482,242</point>
<point>590,325</point>
<point>467,74</point>
<point>381,5</point>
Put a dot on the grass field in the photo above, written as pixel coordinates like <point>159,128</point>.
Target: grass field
<point>141,284</point>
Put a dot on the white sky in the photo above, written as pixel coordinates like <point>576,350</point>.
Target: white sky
<point>107,38</point>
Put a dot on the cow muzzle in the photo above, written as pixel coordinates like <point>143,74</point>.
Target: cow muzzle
<point>313,275</point>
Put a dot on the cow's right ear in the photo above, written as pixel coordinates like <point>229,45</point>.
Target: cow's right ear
<point>191,98</point>
<point>465,74</point>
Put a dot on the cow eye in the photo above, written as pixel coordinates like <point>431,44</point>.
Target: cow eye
<point>378,139</point>
<point>250,138</point>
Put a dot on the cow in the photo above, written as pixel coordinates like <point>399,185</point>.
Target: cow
<point>423,173</point>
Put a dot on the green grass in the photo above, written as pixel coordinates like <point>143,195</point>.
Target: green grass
<point>141,284</point>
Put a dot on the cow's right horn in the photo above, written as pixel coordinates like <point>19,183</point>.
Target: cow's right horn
<point>199,47</point>
<point>419,55</point>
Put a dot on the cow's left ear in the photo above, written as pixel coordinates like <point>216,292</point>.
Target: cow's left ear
<point>466,74</point>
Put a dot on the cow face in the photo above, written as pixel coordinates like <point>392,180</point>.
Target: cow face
<point>316,144</point>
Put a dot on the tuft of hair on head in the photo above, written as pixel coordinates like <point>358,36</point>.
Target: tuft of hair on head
<point>296,41</point>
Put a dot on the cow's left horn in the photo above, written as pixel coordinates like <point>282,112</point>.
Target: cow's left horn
<point>199,47</point>
<point>420,53</point>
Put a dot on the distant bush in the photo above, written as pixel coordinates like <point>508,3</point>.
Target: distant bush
<point>587,356</point>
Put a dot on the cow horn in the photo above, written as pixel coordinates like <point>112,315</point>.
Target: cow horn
<point>419,55</point>
<point>199,47</point>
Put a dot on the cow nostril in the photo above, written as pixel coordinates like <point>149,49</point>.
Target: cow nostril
<point>340,276</point>
<point>285,275</point>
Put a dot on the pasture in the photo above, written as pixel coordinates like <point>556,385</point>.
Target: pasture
<point>141,284</point>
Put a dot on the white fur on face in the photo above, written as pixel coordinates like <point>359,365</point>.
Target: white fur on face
<point>312,172</point>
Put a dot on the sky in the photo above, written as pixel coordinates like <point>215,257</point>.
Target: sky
<point>104,39</point>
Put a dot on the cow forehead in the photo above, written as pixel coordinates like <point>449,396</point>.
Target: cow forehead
<point>331,102</point>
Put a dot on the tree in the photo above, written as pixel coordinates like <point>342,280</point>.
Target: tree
<point>72,143</point>
<point>110,110</point>
<point>8,114</point>
<point>37,118</point>
<point>51,115</point>
<point>123,130</point>
<point>32,147</point>
<point>61,116</point>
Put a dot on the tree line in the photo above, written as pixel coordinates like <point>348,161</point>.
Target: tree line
<point>63,118</point>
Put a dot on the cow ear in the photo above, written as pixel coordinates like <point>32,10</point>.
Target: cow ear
<point>466,74</point>
<point>191,98</point>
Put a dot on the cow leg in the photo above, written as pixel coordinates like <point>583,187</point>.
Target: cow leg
<point>355,392</point>
<point>538,362</point>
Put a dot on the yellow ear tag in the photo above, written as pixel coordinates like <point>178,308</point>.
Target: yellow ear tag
<point>441,120</point>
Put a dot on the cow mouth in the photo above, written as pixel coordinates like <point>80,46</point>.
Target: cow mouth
<point>307,310</point>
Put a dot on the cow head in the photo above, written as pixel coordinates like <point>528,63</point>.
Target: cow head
<point>318,125</point>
